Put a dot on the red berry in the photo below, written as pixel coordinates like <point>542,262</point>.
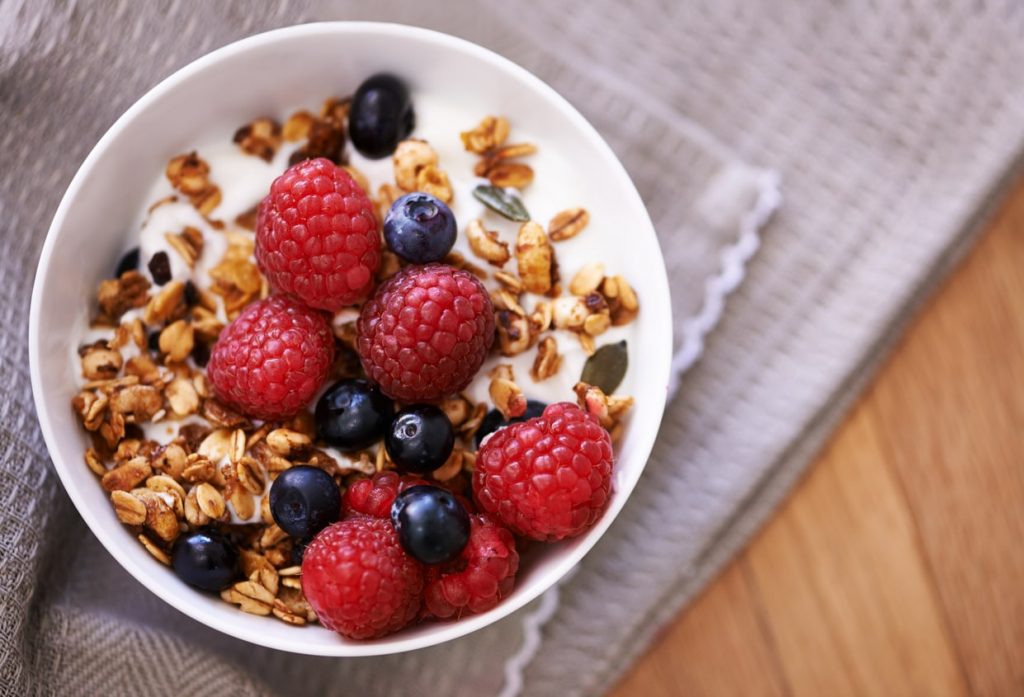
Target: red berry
<point>482,575</point>
<point>359,580</point>
<point>547,478</point>
<point>316,236</point>
<point>272,359</point>
<point>426,332</point>
<point>374,496</point>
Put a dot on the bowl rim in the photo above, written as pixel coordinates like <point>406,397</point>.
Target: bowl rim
<point>447,631</point>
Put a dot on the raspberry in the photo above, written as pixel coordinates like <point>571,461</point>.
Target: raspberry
<point>475,582</point>
<point>271,360</point>
<point>359,580</point>
<point>426,332</point>
<point>316,236</point>
<point>547,478</point>
<point>374,496</point>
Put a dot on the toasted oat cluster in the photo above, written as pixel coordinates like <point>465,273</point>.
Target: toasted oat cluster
<point>177,460</point>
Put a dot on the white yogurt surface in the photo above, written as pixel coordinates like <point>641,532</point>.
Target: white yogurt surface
<point>245,179</point>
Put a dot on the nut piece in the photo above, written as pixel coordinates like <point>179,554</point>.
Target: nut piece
<point>136,403</point>
<point>171,461</point>
<point>100,362</point>
<point>167,304</point>
<point>128,508</point>
<point>177,340</point>
<point>160,518</point>
<point>622,300</point>
<point>188,244</point>
<point>95,462</point>
<point>251,597</point>
<point>411,156</point>
<point>548,361</point>
<point>200,470</point>
<point>569,313</point>
<point>127,476</point>
<point>505,393</point>
<point>433,181</point>
<point>607,409</point>
<point>486,245</point>
<point>514,174</point>
<point>489,134</point>
<point>284,441</point>
<point>190,175</point>
<point>514,335</point>
<point>587,279</point>
<point>543,315</point>
<point>182,397</point>
<point>568,223</point>
<point>117,296</point>
<point>535,258</point>
<point>298,126</point>
<point>261,138</point>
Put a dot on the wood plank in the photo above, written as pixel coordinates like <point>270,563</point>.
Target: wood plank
<point>952,402</point>
<point>716,649</point>
<point>844,588</point>
<point>897,566</point>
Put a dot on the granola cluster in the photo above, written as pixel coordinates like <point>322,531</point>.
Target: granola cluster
<point>174,459</point>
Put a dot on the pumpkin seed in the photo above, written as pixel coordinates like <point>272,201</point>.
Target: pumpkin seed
<point>502,202</point>
<point>607,367</point>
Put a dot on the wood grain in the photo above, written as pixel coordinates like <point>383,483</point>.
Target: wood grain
<point>897,565</point>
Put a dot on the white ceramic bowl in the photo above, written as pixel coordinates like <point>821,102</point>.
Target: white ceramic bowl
<point>270,74</point>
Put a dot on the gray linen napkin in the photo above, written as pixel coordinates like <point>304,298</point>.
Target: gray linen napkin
<point>891,126</point>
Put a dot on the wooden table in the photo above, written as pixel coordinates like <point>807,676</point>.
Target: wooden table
<point>897,565</point>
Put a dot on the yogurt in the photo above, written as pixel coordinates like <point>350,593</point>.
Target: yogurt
<point>245,179</point>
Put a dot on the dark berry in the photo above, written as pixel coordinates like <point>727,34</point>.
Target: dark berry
<point>304,500</point>
<point>431,524</point>
<point>353,415</point>
<point>298,549</point>
<point>153,342</point>
<point>494,420</point>
<point>420,438</point>
<point>160,268</point>
<point>206,560</point>
<point>191,294</point>
<point>201,354</point>
<point>128,262</point>
<point>381,116</point>
<point>420,228</point>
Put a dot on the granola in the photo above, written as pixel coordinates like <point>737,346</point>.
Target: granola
<point>175,460</point>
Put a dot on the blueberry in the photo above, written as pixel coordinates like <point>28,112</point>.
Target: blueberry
<point>420,228</point>
<point>353,415</point>
<point>431,523</point>
<point>304,500</point>
<point>128,262</point>
<point>153,342</point>
<point>206,560</point>
<point>420,438</point>
<point>494,420</point>
<point>380,116</point>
